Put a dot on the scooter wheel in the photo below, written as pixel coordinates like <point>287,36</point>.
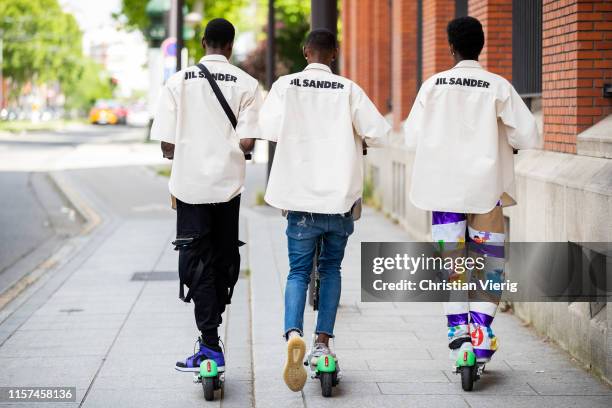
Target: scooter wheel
<point>327,382</point>
<point>468,376</point>
<point>208,384</point>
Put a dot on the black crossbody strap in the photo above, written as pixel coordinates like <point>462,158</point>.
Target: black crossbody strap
<point>196,278</point>
<point>215,87</point>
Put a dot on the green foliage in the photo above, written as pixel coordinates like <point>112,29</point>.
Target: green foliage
<point>294,23</point>
<point>91,84</point>
<point>133,12</point>
<point>41,42</point>
<point>259,198</point>
<point>368,189</point>
<point>135,15</point>
<point>369,196</point>
<point>230,10</point>
<point>21,126</point>
<point>164,171</point>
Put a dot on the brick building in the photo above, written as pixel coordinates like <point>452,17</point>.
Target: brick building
<point>391,46</point>
<point>558,55</point>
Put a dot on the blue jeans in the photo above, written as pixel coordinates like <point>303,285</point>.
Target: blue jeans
<point>303,232</point>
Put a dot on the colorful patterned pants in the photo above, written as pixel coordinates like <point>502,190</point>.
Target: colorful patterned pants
<point>470,314</point>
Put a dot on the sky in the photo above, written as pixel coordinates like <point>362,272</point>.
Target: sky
<point>126,51</point>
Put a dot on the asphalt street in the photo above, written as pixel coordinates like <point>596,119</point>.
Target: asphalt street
<point>36,218</point>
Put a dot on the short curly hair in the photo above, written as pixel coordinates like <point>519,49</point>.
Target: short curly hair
<point>218,33</point>
<point>465,34</point>
<point>321,39</point>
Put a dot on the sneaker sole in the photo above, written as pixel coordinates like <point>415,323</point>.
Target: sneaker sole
<point>294,373</point>
<point>196,369</point>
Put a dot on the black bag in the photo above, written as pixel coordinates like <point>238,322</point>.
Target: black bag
<point>189,276</point>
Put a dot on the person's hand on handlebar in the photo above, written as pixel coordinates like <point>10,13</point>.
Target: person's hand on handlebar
<point>167,150</point>
<point>247,145</point>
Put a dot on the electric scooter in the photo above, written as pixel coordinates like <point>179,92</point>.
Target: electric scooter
<point>326,368</point>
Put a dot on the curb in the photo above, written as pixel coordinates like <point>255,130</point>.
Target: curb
<point>63,186</point>
<point>92,220</point>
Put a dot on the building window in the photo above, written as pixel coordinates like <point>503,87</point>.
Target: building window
<point>461,8</point>
<point>527,47</point>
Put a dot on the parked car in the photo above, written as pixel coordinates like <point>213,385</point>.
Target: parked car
<point>103,113</point>
<point>108,112</point>
<point>138,115</point>
<point>121,112</point>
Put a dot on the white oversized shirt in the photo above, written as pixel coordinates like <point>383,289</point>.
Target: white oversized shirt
<point>464,123</point>
<point>319,121</point>
<point>208,165</point>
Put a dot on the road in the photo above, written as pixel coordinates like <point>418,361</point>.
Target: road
<point>36,218</point>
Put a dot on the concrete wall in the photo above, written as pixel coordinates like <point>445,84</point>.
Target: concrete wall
<point>562,197</point>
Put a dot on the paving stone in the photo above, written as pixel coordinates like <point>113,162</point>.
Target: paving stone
<point>58,343</point>
<point>71,371</point>
<point>485,386</point>
<point>131,333</point>
<point>158,397</point>
<point>518,401</point>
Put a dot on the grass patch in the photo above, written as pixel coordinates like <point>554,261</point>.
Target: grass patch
<point>370,198</point>
<point>259,198</point>
<point>18,126</point>
<point>164,171</point>
<point>368,189</point>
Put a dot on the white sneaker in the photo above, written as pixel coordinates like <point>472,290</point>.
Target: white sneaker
<point>320,349</point>
<point>454,354</point>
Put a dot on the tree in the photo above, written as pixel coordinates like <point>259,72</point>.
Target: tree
<point>134,16</point>
<point>41,43</point>
<point>294,24</point>
<point>92,83</point>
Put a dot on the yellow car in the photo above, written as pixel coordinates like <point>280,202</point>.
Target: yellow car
<point>103,113</point>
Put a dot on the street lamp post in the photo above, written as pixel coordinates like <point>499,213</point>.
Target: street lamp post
<point>1,67</point>
<point>271,68</point>
<point>179,34</point>
<point>324,14</point>
<point>157,11</point>
<point>271,46</point>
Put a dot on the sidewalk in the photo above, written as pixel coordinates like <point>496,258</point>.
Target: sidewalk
<point>395,355</point>
<point>89,322</point>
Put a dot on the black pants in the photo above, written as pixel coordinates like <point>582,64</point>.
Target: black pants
<point>215,229</point>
